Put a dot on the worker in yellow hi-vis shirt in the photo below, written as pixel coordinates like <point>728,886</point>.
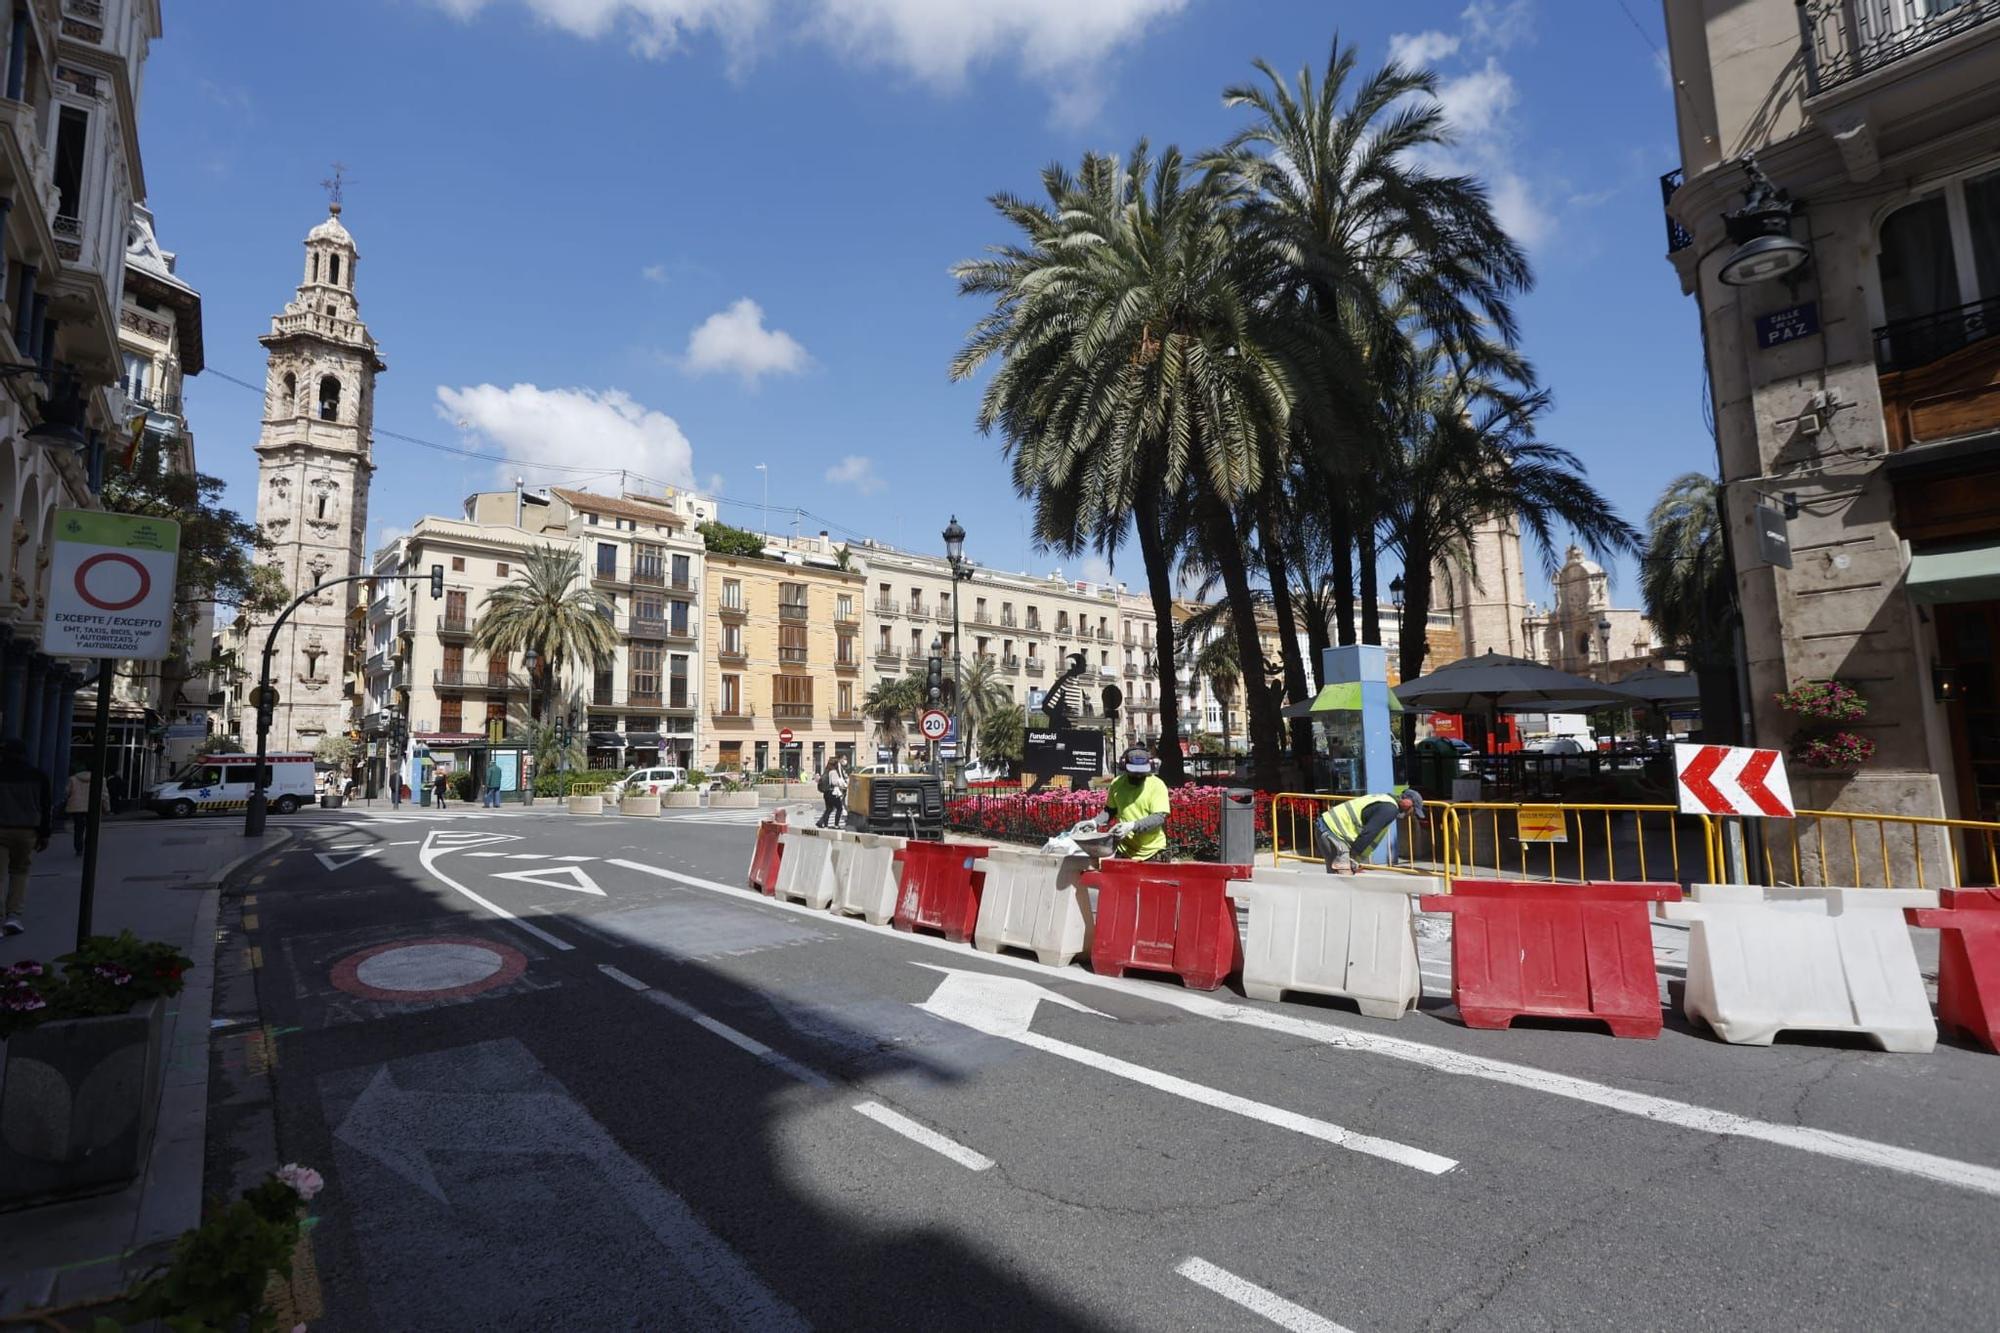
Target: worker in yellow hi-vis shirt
<point>1136,807</point>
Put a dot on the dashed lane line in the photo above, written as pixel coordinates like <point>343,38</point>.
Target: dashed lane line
<point>926,1136</point>
<point>1257,1300</point>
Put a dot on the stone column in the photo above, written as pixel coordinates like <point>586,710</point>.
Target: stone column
<point>65,719</point>
<point>6,207</point>
<point>24,309</point>
<point>48,750</point>
<point>13,682</point>
<point>34,673</point>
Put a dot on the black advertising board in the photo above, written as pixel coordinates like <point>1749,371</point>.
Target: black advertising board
<point>1074,752</point>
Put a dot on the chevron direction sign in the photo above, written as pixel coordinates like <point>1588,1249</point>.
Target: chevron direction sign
<point>1732,780</point>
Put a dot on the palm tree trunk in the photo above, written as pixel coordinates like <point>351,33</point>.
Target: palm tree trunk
<point>1341,526</point>
<point>1288,639</point>
<point>1160,588</point>
<point>1263,719</point>
<point>1371,611</point>
<point>1413,642</point>
<point>1317,638</point>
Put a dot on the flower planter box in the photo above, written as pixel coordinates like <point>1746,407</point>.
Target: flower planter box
<point>586,805</point>
<point>770,791</point>
<point>78,1103</point>
<point>639,805</point>
<point>680,800</point>
<point>732,800</point>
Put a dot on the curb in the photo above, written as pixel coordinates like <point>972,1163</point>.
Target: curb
<point>220,880</point>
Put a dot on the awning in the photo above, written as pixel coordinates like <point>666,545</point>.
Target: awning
<point>1341,697</point>
<point>642,738</point>
<point>1965,574</point>
<point>609,739</point>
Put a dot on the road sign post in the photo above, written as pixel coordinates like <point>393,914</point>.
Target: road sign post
<point>111,597</point>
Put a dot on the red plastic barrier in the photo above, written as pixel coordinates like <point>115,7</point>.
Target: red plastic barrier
<point>1968,922</point>
<point>940,888</point>
<point>1554,951</point>
<point>1166,916</point>
<point>764,860</point>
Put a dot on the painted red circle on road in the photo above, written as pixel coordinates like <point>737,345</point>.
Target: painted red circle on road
<point>430,964</point>
<point>145,581</point>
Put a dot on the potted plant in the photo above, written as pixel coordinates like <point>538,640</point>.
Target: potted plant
<point>681,796</point>
<point>82,1080</point>
<point>1821,744</point>
<point>731,792</point>
<point>771,785</point>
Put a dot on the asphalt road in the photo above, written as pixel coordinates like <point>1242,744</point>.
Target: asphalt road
<point>564,1072</point>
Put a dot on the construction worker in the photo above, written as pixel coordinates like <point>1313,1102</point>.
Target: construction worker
<point>1349,831</point>
<point>1135,806</point>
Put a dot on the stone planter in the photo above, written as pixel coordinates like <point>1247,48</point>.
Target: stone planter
<point>770,791</point>
<point>586,805</point>
<point>732,800</point>
<point>639,805</point>
<point>78,1103</point>
<point>680,800</point>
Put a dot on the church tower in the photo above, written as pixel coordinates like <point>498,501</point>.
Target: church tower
<point>314,459</point>
<point>1486,591</point>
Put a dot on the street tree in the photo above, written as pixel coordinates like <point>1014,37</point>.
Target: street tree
<point>1002,736</point>
<point>892,706</point>
<point>720,538</point>
<point>551,609</point>
<point>982,695</point>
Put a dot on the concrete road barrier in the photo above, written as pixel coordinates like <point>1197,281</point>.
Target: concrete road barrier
<point>639,805</point>
<point>1764,961</point>
<point>1968,962</point>
<point>1347,935</point>
<point>680,800</point>
<point>805,872</point>
<point>586,805</point>
<point>867,876</point>
<point>732,800</point>
<point>1034,900</point>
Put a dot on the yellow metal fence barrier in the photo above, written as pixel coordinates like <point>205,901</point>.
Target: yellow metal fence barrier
<point>1421,841</point>
<point>1840,848</point>
<point>1579,841</point>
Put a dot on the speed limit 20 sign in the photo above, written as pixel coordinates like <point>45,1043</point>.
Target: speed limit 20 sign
<point>935,724</point>
<point>111,586</point>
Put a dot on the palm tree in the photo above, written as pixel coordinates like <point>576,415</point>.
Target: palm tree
<point>982,695</point>
<point>548,609</point>
<point>557,742</point>
<point>890,704</point>
<point>1141,361</point>
<point>1683,575</point>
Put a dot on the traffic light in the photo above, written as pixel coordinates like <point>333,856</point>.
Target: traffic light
<point>437,582</point>
<point>934,678</point>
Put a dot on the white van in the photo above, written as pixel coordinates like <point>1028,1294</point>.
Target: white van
<point>647,782</point>
<point>222,782</point>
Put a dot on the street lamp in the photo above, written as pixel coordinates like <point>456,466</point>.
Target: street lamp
<point>1396,592</point>
<point>1762,229</point>
<point>961,572</point>
<point>1604,644</point>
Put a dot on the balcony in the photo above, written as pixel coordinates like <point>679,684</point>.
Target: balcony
<point>1034,626</point>
<point>734,655</point>
<point>1678,237</point>
<point>1007,620</point>
<point>1034,666</point>
<point>603,573</point>
<point>1131,671</point>
<point>1010,664</point>
<point>1845,39</point>
<point>982,618</point>
<point>793,612</point>
<point>1910,343</point>
<point>448,678</point>
<point>641,698</point>
<point>734,713</point>
<point>1940,379</point>
<point>732,611</point>
<point>888,656</point>
<point>678,705</point>
<point>649,574</point>
<point>792,712</point>
<point>1103,634</point>
<point>848,663</point>
<point>846,617</point>
<point>847,717</point>
<point>454,627</point>
<point>918,611</point>
<point>683,583</point>
<point>888,606</point>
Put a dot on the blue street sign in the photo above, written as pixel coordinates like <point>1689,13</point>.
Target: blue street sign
<point>1788,325</point>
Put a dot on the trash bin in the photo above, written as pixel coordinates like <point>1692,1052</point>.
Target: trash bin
<point>1437,765</point>
<point>1239,826</point>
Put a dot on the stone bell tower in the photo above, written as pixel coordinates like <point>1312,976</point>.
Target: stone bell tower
<point>314,459</point>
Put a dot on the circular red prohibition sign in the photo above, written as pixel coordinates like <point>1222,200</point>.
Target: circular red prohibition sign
<point>83,591</point>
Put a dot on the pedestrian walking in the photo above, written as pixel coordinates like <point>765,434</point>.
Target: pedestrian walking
<point>395,790</point>
<point>439,785</point>
<point>833,787</point>
<point>25,818</point>
<point>1350,830</point>
<point>494,777</point>
<point>76,804</point>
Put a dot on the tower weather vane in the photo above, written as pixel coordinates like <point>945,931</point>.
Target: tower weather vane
<point>332,185</point>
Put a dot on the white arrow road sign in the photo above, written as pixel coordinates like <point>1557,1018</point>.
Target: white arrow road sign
<point>557,877</point>
<point>1002,1006</point>
<point>339,857</point>
<point>439,844</point>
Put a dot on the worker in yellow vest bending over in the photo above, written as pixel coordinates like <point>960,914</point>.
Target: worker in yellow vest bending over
<point>1135,807</point>
<point>1349,832</point>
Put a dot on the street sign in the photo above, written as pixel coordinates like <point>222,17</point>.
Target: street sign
<point>1732,780</point>
<point>1541,823</point>
<point>111,586</point>
<point>263,696</point>
<point>935,724</point>
<point>885,754</point>
<point>1788,325</point>
<point>784,735</point>
<point>947,750</point>
<point>1774,537</point>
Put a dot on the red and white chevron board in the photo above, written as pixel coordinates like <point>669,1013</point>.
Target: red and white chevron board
<point>1732,780</point>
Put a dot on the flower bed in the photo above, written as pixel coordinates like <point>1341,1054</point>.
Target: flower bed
<point>1821,704</point>
<point>106,976</point>
<point>1194,823</point>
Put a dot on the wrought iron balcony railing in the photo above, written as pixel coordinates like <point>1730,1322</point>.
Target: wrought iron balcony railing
<point>1844,39</point>
<point>1909,343</point>
<point>1678,237</point>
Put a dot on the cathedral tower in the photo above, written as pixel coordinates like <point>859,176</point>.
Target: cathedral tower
<point>314,459</point>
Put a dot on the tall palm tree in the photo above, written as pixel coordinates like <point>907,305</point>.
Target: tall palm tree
<point>1140,360</point>
<point>891,704</point>
<point>982,695</point>
<point>549,608</point>
<point>1210,647</point>
<point>1683,575</point>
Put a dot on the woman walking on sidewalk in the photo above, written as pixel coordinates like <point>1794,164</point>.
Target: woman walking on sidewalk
<point>440,785</point>
<point>76,804</point>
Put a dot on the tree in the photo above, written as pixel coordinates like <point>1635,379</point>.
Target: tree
<point>217,744</point>
<point>550,609</point>
<point>982,694</point>
<point>1002,735</point>
<point>335,750</point>
<point>1210,646</point>
<point>1142,360</point>
<point>557,742</point>
<point>892,705</point>
<point>1683,576</point>
<point>722,539</point>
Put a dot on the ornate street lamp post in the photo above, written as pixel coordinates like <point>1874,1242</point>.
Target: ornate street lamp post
<point>961,572</point>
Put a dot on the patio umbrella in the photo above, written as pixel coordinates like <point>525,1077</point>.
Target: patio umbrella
<point>1491,682</point>
<point>1342,696</point>
<point>1663,687</point>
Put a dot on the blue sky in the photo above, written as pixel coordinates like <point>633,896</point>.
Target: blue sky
<point>686,237</point>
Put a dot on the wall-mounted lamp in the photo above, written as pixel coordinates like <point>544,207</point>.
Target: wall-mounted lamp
<point>1944,682</point>
<point>1762,230</point>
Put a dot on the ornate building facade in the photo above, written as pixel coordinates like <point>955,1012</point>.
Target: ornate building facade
<point>1486,593</point>
<point>314,461</point>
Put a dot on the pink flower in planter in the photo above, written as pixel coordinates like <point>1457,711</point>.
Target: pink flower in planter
<point>27,967</point>
<point>25,1002</point>
<point>305,1181</point>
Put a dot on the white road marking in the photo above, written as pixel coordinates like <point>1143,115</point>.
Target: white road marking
<point>428,858</point>
<point>622,977</point>
<point>335,860</point>
<point>572,878</point>
<point>572,858</point>
<point>775,1059</point>
<point>1266,1304</point>
<point>1645,1106</point>
<point>1003,1006</point>
<point>493,854</point>
<point>925,1135</point>
<point>408,842</point>
<point>526,856</point>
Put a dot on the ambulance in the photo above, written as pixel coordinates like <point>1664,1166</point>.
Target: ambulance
<point>220,783</point>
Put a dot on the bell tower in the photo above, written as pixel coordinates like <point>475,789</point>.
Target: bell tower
<point>314,460</point>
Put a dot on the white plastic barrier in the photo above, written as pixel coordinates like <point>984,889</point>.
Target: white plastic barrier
<point>1762,961</point>
<point>867,877</point>
<point>805,871</point>
<point>1348,935</point>
<point>1032,900</point>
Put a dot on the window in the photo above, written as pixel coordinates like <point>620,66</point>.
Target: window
<point>846,696</point>
<point>648,564</point>
<point>682,578</point>
<point>645,675</point>
<point>647,606</point>
<point>333,269</point>
<point>732,594</point>
<point>792,697</point>
<point>677,618</point>
<point>137,372</point>
<point>496,668</point>
<point>319,506</point>
<point>843,607</point>
<point>792,601</point>
<point>500,568</point>
<point>845,655</point>
<point>1936,255</point>
<point>729,755</point>
<point>1034,618</point>
<point>590,519</point>
<point>291,403</point>
<point>607,560</point>
<point>450,718</point>
<point>458,564</point>
<point>677,681</point>
<point>732,641</point>
<point>72,134</point>
<point>732,696</point>
<point>916,643</point>
<point>791,643</point>
<point>454,607</point>
<point>454,663</point>
<point>496,710</point>
<point>329,398</point>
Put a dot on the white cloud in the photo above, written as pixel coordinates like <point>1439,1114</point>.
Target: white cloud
<point>936,41</point>
<point>388,533</point>
<point>735,340</point>
<point>858,471</point>
<point>1475,103</point>
<point>654,273</point>
<point>1416,50</point>
<point>1665,69</point>
<point>562,428</point>
<point>1498,26</point>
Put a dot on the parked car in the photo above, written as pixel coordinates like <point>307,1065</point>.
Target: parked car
<point>647,782</point>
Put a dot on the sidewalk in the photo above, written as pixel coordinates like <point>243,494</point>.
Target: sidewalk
<point>162,881</point>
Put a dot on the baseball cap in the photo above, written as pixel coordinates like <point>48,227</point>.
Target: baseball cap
<point>1138,761</point>
<point>1416,799</point>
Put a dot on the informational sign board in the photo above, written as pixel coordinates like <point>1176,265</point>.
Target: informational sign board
<point>885,754</point>
<point>1076,752</point>
<point>1541,823</point>
<point>1788,325</point>
<point>510,769</point>
<point>186,731</point>
<point>947,750</point>
<point>1774,536</point>
<point>1732,780</point>
<point>111,586</point>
